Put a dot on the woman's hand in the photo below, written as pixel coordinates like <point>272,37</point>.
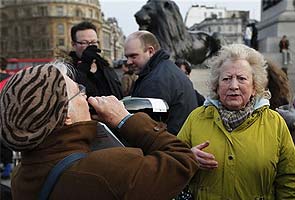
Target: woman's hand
<point>205,160</point>
<point>109,109</point>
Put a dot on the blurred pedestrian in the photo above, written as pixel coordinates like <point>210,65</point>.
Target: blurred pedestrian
<point>284,49</point>
<point>248,35</point>
<point>278,85</point>
<point>3,72</point>
<point>6,154</point>
<point>185,66</point>
<point>128,78</point>
<point>6,160</point>
<point>254,37</point>
<point>288,113</point>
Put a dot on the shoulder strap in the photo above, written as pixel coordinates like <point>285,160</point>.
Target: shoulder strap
<point>56,172</point>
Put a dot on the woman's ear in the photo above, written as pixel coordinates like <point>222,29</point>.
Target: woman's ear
<point>68,120</point>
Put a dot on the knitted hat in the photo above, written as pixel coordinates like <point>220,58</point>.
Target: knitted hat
<point>32,103</point>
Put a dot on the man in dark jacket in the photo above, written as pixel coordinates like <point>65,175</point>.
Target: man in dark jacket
<point>52,121</point>
<point>159,77</point>
<point>93,71</point>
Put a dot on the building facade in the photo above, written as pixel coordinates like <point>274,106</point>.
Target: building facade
<point>229,24</point>
<point>116,39</point>
<point>197,13</point>
<point>231,29</point>
<point>41,28</point>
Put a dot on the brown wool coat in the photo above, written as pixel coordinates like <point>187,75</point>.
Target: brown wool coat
<point>159,170</point>
<point>128,81</point>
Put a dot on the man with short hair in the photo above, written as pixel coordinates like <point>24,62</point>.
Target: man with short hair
<point>93,71</point>
<point>45,115</point>
<point>159,77</point>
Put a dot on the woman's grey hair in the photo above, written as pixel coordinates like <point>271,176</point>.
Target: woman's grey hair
<point>239,51</point>
<point>65,68</point>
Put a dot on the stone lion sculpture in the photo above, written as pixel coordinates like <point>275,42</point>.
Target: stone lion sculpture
<point>163,19</point>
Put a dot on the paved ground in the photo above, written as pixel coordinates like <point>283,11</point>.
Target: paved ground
<point>200,78</point>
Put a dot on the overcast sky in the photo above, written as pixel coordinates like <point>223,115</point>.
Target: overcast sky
<point>124,10</point>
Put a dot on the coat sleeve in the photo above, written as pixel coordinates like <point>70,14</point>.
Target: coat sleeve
<point>285,179</point>
<point>168,164</point>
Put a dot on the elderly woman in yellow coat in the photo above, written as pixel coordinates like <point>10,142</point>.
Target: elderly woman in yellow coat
<point>251,154</point>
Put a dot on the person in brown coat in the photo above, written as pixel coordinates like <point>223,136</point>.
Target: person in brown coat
<point>278,85</point>
<point>45,116</point>
<point>128,78</point>
<point>284,49</point>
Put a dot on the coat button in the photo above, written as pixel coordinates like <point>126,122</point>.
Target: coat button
<point>156,128</point>
<point>230,157</point>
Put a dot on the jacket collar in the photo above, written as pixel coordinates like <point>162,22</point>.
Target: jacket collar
<point>259,103</point>
<point>211,111</point>
<point>62,142</point>
<point>154,61</point>
<point>74,57</point>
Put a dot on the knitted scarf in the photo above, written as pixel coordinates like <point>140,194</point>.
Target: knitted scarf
<point>233,118</point>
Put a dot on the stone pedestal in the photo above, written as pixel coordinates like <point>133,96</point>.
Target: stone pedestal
<point>277,19</point>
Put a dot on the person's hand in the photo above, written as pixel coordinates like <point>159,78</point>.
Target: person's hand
<point>109,109</point>
<point>205,160</point>
<point>288,113</point>
<point>90,54</point>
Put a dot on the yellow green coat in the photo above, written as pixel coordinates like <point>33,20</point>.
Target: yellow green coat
<point>255,161</point>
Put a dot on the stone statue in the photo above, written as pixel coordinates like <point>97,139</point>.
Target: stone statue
<point>163,19</point>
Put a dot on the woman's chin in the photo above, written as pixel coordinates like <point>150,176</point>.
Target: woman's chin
<point>234,106</point>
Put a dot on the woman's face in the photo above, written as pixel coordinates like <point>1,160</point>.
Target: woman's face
<point>235,85</point>
<point>78,110</point>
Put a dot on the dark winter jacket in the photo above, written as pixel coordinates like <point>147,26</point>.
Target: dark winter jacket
<point>161,78</point>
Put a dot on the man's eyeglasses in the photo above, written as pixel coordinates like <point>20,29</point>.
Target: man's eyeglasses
<point>87,43</point>
<point>82,90</point>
